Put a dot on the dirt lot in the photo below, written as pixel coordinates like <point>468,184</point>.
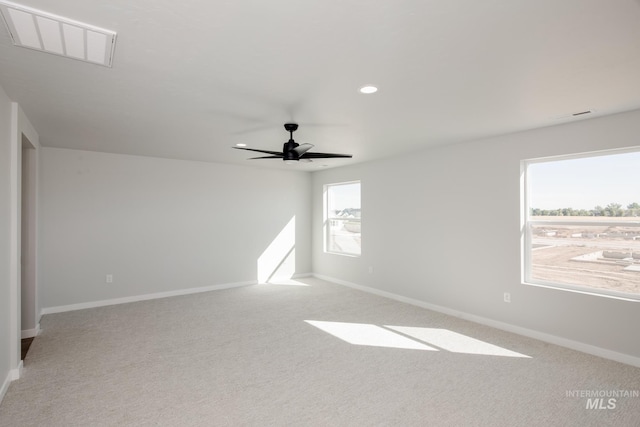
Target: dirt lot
<point>554,264</point>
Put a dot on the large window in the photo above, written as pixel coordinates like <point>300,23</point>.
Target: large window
<point>581,227</point>
<point>342,218</point>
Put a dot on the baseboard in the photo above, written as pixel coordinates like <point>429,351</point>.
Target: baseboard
<point>541,336</point>
<point>158,295</point>
<point>17,372</point>
<point>12,375</point>
<point>30,333</point>
<point>5,385</point>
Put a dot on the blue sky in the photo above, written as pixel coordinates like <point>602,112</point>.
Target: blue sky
<point>583,183</point>
<point>345,196</point>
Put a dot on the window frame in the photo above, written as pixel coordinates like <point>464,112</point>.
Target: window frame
<point>328,218</point>
<point>527,224</point>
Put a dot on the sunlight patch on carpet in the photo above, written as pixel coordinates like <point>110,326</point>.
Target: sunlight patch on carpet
<point>367,334</point>
<point>454,341</point>
<point>286,282</point>
<point>412,338</point>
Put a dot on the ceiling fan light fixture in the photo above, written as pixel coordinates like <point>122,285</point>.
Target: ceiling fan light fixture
<point>290,162</point>
<point>368,89</point>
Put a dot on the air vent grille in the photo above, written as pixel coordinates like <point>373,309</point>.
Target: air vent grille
<point>43,31</point>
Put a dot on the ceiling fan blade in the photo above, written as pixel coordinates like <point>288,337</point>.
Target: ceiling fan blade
<point>278,153</point>
<point>265,157</point>
<point>303,148</point>
<point>325,156</point>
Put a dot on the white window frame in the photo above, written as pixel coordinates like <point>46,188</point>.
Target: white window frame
<point>527,225</point>
<point>328,218</point>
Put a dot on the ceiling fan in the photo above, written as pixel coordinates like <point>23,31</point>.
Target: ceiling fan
<point>292,151</point>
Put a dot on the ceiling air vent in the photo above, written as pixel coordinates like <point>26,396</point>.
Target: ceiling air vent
<point>35,29</point>
<point>574,115</point>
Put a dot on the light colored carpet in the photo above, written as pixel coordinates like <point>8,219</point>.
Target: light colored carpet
<point>262,355</point>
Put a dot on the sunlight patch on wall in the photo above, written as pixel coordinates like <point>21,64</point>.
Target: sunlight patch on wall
<point>367,334</point>
<point>278,261</point>
<point>413,338</point>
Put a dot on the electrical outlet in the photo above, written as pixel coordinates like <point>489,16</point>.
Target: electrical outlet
<point>507,297</point>
<point>109,278</point>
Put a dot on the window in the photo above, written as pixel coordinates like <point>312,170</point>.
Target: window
<point>342,218</point>
<point>581,228</point>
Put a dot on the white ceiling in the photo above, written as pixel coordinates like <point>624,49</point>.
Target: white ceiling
<point>190,79</point>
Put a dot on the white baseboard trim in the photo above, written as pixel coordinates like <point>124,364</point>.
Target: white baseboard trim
<point>541,336</point>
<point>157,295</point>
<point>29,333</point>
<point>12,375</point>
<point>5,385</point>
<point>17,372</point>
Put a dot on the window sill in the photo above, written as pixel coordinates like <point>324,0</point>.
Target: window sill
<point>586,291</point>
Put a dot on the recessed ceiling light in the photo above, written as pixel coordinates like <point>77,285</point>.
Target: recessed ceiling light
<point>368,89</point>
<point>43,31</point>
<point>241,145</point>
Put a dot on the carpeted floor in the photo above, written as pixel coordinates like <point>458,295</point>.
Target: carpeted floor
<point>317,354</point>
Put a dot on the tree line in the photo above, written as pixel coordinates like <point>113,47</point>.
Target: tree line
<point>612,209</point>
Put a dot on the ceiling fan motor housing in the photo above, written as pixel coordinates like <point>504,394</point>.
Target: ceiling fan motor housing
<point>288,152</point>
<point>287,148</point>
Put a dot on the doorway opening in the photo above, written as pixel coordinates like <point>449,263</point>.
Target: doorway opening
<point>28,240</point>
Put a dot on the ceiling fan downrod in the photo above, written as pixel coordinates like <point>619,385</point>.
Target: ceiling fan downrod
<point>289,154</point>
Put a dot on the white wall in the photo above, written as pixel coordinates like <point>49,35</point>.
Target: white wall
<point>5,226</point>
<point>159,225</point>
<point>443,227</point>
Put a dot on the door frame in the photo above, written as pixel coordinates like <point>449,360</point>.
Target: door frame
<point>20,126</point>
